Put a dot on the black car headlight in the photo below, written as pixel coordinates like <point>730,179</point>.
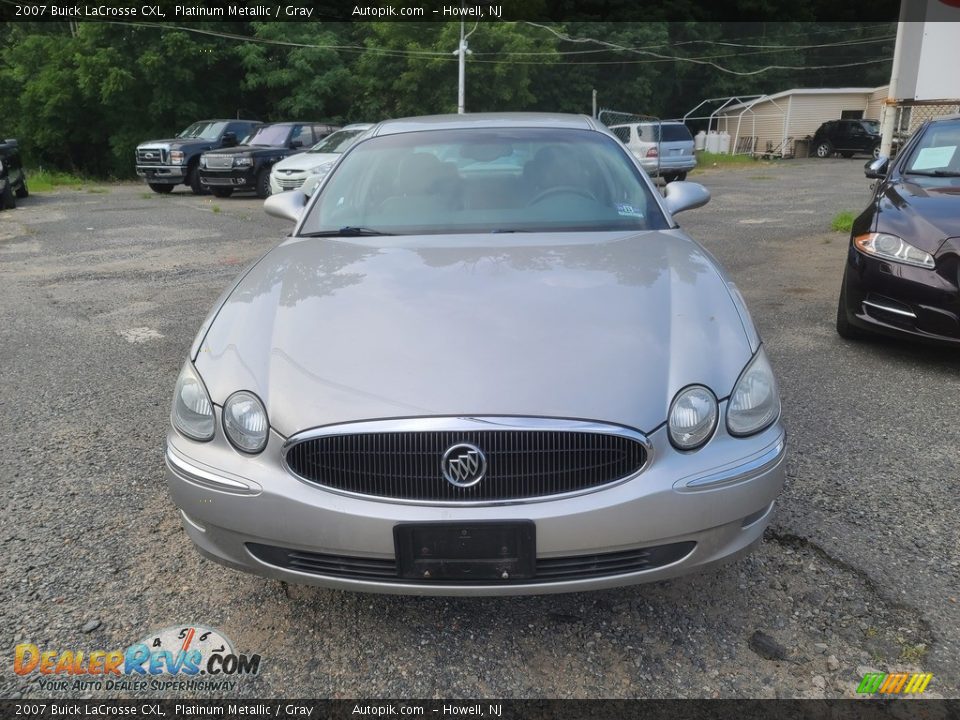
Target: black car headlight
<point>192,413</point>
<point>693,417</point>
<point>245,422</point>
<point>755,401</point>
<point>891,247</point>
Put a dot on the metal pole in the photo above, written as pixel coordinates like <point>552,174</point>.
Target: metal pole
<point>594,102</point>
<point>461,89</point>
<point>889,107</point>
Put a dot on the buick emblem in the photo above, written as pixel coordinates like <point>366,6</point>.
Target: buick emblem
<point>463,465</point>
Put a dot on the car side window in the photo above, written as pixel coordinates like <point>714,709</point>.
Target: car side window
<point>302,134</point>
<point>623,134</point>
<point>321,131</point>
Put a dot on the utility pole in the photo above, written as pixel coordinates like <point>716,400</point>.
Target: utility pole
<point>462,52</point>
<point>888,118</point>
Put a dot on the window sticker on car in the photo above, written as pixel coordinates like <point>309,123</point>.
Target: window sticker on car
<point>629,210</point>
<point>934,157</point>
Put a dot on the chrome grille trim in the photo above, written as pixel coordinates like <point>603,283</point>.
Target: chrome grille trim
<point>457,429</point>
<point>219,162</point>
<point>152,156</point>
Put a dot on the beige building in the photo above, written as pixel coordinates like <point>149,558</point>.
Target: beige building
<point>771,124</point>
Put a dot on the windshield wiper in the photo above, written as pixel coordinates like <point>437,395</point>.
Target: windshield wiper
<point>348,231</point>
<point>933,173</point>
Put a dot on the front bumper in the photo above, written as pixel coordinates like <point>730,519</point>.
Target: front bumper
<point>236,178</point>
<point>163,174</point>
<point>904,301</point>
<point>717,500</point>
<point>284,181</point>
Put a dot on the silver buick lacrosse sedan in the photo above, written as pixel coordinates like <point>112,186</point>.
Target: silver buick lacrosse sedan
<point>486,362</point>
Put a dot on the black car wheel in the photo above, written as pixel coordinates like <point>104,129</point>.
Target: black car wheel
<point>193,180</point>
<point>161,188</point>
<point>22,192</point>
<point>222,192</point>
<point>263,184</point>
<point>844,328</point>
<point>7,201</point>
<point>876,152</point>
<point>823,150</point>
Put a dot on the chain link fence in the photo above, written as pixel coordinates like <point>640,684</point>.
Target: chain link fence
<point>911,114</point>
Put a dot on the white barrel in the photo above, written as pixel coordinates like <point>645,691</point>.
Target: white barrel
<point>724,143</point>
<point>713,142</point>
<point>699,140</point>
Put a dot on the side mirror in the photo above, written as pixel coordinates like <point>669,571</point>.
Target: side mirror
<point>681,196</point>
<point>229,139</point>
<point>876,169</point>
<point>286,205</point>
<point>295,144</point>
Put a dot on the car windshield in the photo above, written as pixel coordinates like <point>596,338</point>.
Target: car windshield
<point>485,180</point>
<point>270,135</point>
<point>936,152</point>
<point>338,142</point>
<point>207,130</point>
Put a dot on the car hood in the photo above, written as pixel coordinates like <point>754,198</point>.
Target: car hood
<point>305,161</point>
<point>252,150</point>
<point>177,143</point>
<point>924,213</point>
<point>606,326</point>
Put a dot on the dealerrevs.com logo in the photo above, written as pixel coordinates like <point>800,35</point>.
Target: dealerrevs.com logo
<point>185,657</point>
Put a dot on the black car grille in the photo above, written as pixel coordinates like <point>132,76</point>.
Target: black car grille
<point>520,463</point>
<point>555,569</point>
<point>151,156</point>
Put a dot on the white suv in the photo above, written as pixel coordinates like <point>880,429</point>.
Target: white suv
<point>663,148</point>
<point>291,173</point>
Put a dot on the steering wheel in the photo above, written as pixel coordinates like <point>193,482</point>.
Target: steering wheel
<point>562,190</point>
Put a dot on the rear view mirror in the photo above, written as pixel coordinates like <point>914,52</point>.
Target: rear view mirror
<point>682,196</point>
<point>876,169</point>
<point>229,139</point>
<point>286,205</point>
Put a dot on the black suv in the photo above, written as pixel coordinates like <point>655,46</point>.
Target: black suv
<point>13,181</point>
<point>247,167</point>
<point>164,164</point>
<point>847,137</point>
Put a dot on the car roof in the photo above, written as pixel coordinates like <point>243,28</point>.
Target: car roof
<point>945,118</point>
<point>357,126</point>
<point>485,120</point>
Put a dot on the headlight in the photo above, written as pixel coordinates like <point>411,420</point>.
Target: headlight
<point>245,422</point>
<point>192,413</point>
<point>176,157</point>
<point>203,161</point>
<point>890,247</point>
<point>242,161</point>
<point>321,169</point>
<point>693,417</point>
<point>754,402</point>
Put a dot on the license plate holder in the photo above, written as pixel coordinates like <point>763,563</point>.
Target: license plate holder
<point>466,552</point>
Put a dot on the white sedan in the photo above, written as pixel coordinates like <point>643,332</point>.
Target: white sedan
<point>292,172</point>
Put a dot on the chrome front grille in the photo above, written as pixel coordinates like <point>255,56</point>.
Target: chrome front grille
<point>288,184</point>
<point>541,458</point>
<point>219,162</point>
<point>151,156</point>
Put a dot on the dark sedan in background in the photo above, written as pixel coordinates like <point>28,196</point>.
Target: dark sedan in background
<point>903,267</point>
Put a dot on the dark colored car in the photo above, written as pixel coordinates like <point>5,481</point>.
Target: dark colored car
<point>13,181</point>
<point>247,167</point>
<point>903,266</point>
<point>847,137</point>
<point>164,164</point>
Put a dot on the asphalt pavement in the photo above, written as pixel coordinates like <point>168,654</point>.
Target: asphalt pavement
<point>101,292</point>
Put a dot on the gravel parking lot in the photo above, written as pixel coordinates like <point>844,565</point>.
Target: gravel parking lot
<point>101,292</point>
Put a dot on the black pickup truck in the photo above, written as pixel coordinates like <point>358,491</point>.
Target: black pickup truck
<point>164,164</point>
<point>13,181</point>
<point>247,167</point>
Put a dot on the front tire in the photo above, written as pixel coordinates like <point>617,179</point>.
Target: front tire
<point>221,192</point>
<point>7,201</point>
<point>161,188</point>
<point>263,184</point>
<point>22,192</point>
<point>823,150</point>
<point>875,152</point>
<point>844,328</point>
<point>193,180</point>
